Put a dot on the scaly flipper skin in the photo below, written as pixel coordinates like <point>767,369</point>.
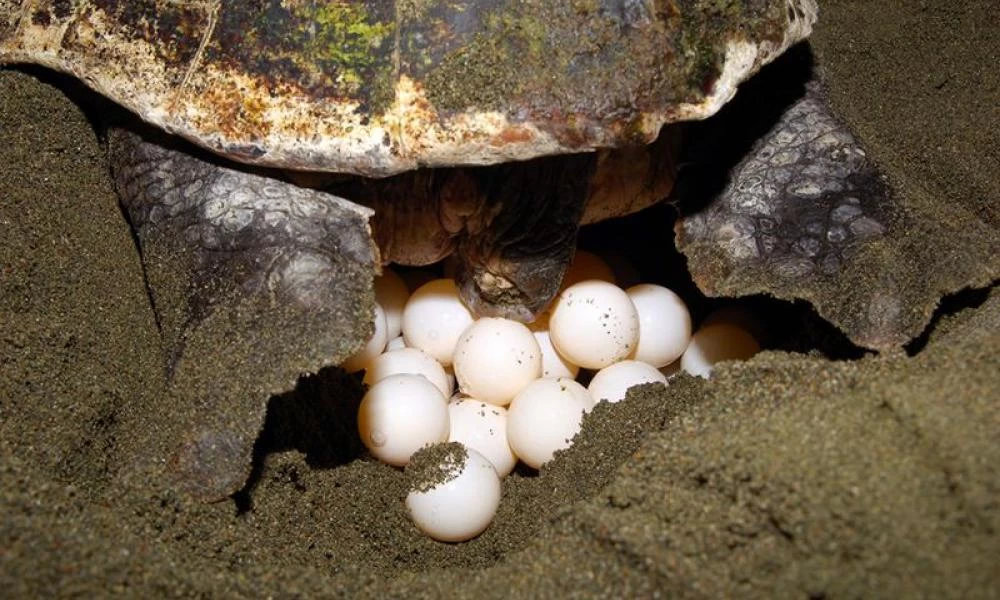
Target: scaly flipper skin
<point>803,215</point>
<point>247,274</point>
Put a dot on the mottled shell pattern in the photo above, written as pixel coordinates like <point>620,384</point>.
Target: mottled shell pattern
<point>377,87</point>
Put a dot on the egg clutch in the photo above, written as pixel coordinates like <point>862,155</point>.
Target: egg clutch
<point>517,397</point>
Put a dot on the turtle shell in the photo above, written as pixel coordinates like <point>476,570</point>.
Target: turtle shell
<point>376,87</point>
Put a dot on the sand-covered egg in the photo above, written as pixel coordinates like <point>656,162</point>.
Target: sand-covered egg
<point>594,324</point>
<point>372,348</point>
<point>611,383</point>
<point>409,360</point>
<point>715,343</point>
<point>482,427</point>
<point>434,318</point>
<point>495,359</point>
<point>454,492</point>
<point>391,293</point>
<point>545,417</point>
<point>399,415</point>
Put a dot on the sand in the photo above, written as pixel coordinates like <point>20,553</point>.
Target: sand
<point>789,475</point>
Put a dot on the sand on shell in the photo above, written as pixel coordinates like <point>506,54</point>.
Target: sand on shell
<point>787,475</point>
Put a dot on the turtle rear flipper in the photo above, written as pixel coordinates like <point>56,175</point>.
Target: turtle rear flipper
<point>253,281</point>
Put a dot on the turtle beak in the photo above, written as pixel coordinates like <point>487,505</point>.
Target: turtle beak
<point>511,290</point>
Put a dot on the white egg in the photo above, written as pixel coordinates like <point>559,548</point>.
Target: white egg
<point>553,363</point>
<point>587,265</point>
<point>434,318</point>
<point>463,505</point>
<point>495,358</point>
<point>401,414</point>
<point>391,293</point>
<point>545,417</point>
<point>594,324</point>
<point>374,347</point>
<point>611,383</point>
<point>482,427</point>
<point>715,343</point>
<point>664,324</point>
<point>408,360</point>
<point>395,344</point>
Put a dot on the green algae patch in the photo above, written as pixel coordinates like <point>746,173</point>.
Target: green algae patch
<point>577,65</point>
<point>323,50</point>
<point>344,37</point>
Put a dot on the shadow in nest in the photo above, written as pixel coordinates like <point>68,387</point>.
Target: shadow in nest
<point>318,418</point>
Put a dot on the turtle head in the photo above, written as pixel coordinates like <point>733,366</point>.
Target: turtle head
<point>511,289</point>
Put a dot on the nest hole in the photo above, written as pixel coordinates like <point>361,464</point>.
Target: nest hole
<point>309,447</point>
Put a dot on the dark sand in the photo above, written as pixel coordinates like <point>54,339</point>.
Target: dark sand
<point>790,475</point>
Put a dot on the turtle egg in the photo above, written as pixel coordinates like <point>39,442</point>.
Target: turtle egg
<point>545,417</point>
<point>391,293</point>
<point>454,492</point>
<point>482,427</point>
<point>715,343</point>
<point>375,345</point>
<point>612,383</point>
<point>495,358</point>
<point>594,324</point>
<point>587,265</point>
<point>664,324</point>
<point>553,363</point>
<point>409,360</point>
<point>399,415</point>
<point>434,318</point>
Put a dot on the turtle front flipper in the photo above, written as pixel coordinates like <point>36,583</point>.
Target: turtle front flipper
<point>253,281</point>
<point>521,239</point>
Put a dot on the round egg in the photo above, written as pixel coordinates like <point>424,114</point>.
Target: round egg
<point>391,293</point>
<point>594,324</point>
<point>553,363</point>
<point>611,383</point>
<point>454,492</point>
<point>664,324</point>
<point>434,318</point>
<point>409,360</point>
<point>587,265</point>
<point>545,417</point>
<point>401,414</point>
<point>715,343</point>
<point>372,348</point>
<point>495,358</point>
<point>482,427</point>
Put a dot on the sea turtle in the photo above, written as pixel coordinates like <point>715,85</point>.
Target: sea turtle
<point>490,129</point>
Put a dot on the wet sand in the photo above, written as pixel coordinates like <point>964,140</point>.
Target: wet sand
<point>788,475</point>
